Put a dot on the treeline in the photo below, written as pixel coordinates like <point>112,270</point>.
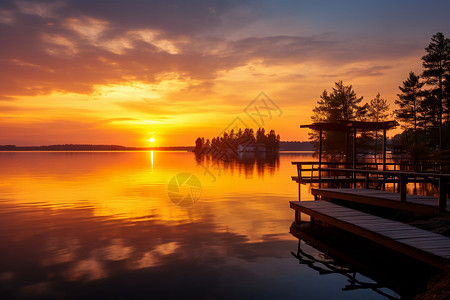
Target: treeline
<point>424,101</point>
<point>230,141</point>
<point>422,107</point>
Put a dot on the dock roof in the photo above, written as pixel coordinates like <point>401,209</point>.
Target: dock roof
<point>348,125</point>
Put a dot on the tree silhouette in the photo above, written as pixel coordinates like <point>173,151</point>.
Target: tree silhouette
<point>409,101</point>
<point>341,104</point>
<point>198,145</point>
<point>429,119</point>
<point>377,111</point>
<point>436,64</point>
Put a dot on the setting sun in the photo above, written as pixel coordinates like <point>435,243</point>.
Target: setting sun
<point>151,140</point>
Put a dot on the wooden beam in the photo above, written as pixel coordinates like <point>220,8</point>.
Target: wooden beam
<point>442,194</point>
<point>384,149</point>
<point>354,156</point>
<point>320,156</point>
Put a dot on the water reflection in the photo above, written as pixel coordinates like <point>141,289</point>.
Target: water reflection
<point>60,252</point>
<point>365,265</point>
<point>246,163</point>
<point>101,225</point>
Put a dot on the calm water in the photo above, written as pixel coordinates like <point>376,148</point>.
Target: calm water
<point>101,224</point>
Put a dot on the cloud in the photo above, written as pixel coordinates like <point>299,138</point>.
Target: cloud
<point>42,9</point>
<point>6,17</point>
<point>353,72</point>
<point>161,109</point>
<point>74,46</point>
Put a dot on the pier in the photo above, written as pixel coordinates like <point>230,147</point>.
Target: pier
<point>350,195</point>
<point>423,245</point>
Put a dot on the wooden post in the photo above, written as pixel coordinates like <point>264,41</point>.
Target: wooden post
<point>402,187</point>
<point>347,150</point>
<point>384,157</point>
<point>442,194</point>
<point>297,216</point>
<point>354,157</point>
<point>384,149</point>
<point>366,182</point>
<point>320,158</point>
<point>299,176</point>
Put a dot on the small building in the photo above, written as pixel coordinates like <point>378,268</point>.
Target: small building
<point>252,148</point>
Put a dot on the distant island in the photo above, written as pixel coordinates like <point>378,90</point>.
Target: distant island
<point>284,146</point>
<point>88,147</point>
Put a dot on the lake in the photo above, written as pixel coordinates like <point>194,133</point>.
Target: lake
<point>154,225</point>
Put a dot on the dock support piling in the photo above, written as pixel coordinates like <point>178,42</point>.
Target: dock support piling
<point>297,216</point>
<point>402,186</point>
<point>366,181</point>
<point>384,157</point>
<point>299,176</point>
<point>320,158</point>
<point>442,194</point>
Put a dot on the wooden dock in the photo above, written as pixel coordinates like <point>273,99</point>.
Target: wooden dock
<point>412,203</point>
<point>343,177</point>
<point>423,245</point>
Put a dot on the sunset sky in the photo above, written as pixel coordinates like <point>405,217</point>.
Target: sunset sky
<point>122,72</point>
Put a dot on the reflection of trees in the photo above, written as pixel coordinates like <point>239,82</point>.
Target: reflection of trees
<point>246,163</point>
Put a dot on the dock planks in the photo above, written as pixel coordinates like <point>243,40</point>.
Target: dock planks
<point>420,244</point>
<point>414,203</point>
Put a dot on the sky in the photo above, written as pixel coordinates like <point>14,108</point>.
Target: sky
<point>123,72</point>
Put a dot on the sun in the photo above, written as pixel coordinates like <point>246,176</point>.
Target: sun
<point>151,140</point>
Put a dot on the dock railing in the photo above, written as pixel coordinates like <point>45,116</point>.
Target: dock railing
<point>310,169</point>
<point>403,178</point>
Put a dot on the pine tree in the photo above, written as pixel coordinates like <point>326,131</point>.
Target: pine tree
<point>428,118</point>
<point>377,111</point>
<point>341,104</point>
<point>409,103</point>
<point>436,64</point>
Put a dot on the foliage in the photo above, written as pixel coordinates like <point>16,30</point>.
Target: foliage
<point>377,111</point>
<point>409,100</point>
<point>341,104</point>
<point>436,65</point>
<point>230,141</point>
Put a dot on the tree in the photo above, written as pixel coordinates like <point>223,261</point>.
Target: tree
<point>341,104</point>
<point>409,101</point>
<point>436,64</point>
<point>377,111</point>
<point>429,119</point>
<point>198,145</point>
